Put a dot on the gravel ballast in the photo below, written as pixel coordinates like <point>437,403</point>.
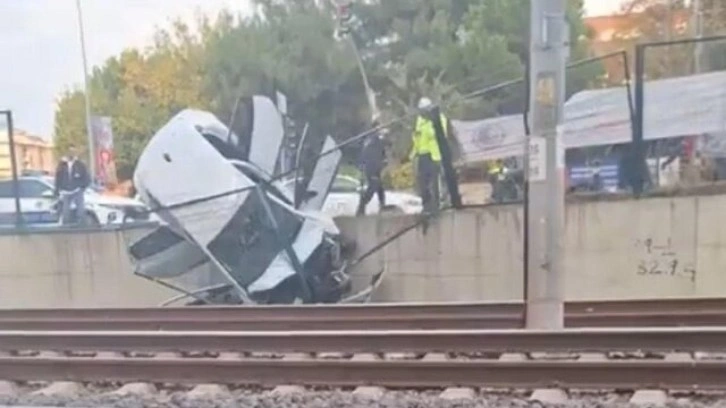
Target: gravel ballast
<point>336,399</point>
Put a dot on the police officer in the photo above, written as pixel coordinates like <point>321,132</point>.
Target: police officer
<point>426,155</point>
<point>495,169</point>
<point>373,160</point>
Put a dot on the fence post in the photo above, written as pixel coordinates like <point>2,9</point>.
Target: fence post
<point>19,221</point>
<point>637,153</point>
<point>628,85</point>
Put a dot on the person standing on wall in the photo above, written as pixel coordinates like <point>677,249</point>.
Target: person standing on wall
<point>71,181</point>
<point>373,160</point>
<point>426,155</point>
<point>495,170</point>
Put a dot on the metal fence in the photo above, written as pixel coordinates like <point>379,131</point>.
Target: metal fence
<point>593,149</point>
<point>679,132</point>
<point>11,192</point>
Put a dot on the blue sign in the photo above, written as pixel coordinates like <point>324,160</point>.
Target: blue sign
<point>583,175</point>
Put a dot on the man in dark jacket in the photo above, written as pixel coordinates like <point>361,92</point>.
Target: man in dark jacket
<point>71,181</point>
<point>373,160</point>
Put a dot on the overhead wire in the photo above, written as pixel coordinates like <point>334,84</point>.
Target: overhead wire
<point>354,139</point>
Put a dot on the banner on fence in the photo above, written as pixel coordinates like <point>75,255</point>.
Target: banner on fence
<point>674,107</point>
<point>103,143</point>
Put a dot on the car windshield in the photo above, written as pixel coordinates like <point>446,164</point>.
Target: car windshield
<point>48,180</point>
<point>92,189</point>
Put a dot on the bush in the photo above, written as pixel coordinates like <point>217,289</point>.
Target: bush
<point>350,171</point>
<point>399,177</point>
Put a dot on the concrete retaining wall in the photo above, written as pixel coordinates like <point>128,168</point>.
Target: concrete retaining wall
<point>651,248</point>
<point>71,269</point>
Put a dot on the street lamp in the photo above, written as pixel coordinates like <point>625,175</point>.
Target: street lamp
<point>86,93</point>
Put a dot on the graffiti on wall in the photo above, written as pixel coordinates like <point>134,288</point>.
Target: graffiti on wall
<point>659,258</point>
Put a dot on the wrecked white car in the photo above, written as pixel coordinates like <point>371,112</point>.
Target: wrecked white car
<point>230,232</point>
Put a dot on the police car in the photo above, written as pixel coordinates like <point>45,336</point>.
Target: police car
<point>39,206</point>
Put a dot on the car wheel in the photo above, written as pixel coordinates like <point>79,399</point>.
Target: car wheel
<point>92,219</point>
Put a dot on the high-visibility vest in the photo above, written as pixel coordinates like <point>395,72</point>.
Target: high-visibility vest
<point>424,138</point>
<point>495,167</point>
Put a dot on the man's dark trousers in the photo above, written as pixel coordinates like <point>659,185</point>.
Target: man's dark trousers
<point>428,182</point>
<point>374,186</point>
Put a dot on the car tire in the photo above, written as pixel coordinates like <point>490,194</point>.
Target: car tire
<point>92,219</point>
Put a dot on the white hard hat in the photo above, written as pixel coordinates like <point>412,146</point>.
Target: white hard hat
<point>424,103</point>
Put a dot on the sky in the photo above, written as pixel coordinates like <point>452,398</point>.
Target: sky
<point>42,50</point>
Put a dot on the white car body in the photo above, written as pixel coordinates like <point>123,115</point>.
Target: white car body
<point>229,231</point>
<point>38,204</point>
<point>345,195</point>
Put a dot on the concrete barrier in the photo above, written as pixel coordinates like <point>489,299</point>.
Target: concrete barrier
<point>457,257</point>
<point>71,268</point>
<point>649,248</point>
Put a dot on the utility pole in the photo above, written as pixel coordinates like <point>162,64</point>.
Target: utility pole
<point>345,22</point>
<point>86,93</point>
<point>697,21</point>
<point>549,50</point>
<point>669,21</point>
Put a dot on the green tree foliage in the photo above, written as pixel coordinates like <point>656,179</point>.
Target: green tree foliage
<point>446,49</point>
<point>660,20</point>
<point>443,49</point>
<point>140,91</point>
<point>510,20</point>
<point>288,46</point>
<point>714,23</point>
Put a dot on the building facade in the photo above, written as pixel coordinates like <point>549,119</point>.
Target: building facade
<point>618,32</point>
<point>32,154</point>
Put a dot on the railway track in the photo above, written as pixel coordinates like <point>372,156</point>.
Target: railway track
<point>479,358</point>
<point>607,375</point>
<point>660,340</point>
<point>411,346</point>
<point>634,313</point>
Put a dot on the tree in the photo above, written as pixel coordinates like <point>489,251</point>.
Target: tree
<point>655,21</point>
<point>510,20</point>
<point>436,48</point>
<point>409,48</point>
<point>139,91</point>
<point>448,48</point>
<point>70,122</point>
<point>660,20</point>
<point>714,23</point>
<point>288,46</point>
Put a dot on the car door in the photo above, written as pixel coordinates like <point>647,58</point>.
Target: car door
<point>36,201</point>
<point>7,203</point>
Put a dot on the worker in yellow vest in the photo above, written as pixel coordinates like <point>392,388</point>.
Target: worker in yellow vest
<point>426,155</point>
<point>495,170</point>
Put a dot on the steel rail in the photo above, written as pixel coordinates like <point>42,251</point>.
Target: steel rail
<point>418,341</point>
<point>370,321</point>
<point>392,310</point>
<point>393,374</point>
